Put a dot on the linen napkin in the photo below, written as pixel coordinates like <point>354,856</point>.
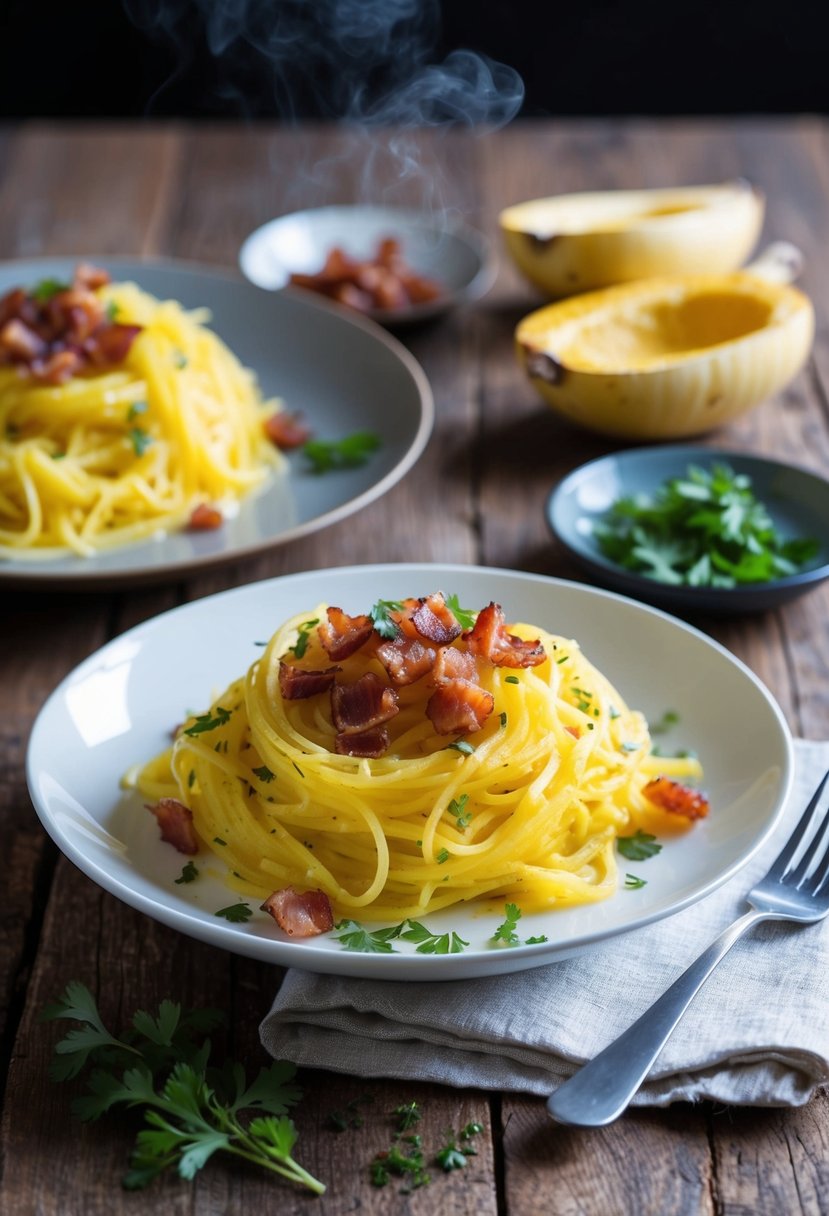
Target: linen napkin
<point>757,1034</point>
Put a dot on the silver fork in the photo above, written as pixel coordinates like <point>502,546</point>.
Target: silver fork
<point>796,888</point>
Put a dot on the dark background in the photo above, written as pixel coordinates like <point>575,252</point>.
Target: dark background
<point>592,57</point>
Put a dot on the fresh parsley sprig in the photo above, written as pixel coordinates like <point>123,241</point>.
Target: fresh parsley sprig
<point>383,623</point>
<point>355,937</point>
<point>327,455</point>
<point>191,1110</point>
<point>705,529</point>
<point>507,933</point>
<point>638,847</point>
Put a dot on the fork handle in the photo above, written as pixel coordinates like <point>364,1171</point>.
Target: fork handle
<point>599,1092</point>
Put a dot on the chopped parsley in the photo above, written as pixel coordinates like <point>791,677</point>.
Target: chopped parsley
<point>464,616</point>
<point>354,937</point>
<point>703,529</point>
<point>218,840</point>
<point>457,807</point>
<point>668,719</point>
<point>209,721</point>
<point>263,773</point>
<point>638,847</point>
<point>505,934</point>
<point>180,359</point>
<point>442,856</point>
<point>188,874</point>
<point>327,455</point>
<point>236,913</point>
<point>111,311</point>
<point>140,440</point>
<point>301,645</point>
<point>511,680</point>
<point>383,624</point>
<point>43,291</point>
<point>461,745</point>
<point>633,882</point>
<point>137,407</point>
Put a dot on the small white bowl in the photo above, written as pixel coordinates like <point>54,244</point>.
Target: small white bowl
<point>452,254</point>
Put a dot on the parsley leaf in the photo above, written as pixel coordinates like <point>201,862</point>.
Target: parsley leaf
<point>263,773</point>
<point>668,719</point>
<point>137,407</point>
<point>43,291</point>
<point>457,807</point>
<point>506,934</point>
<point>301,644</point>
<point>460,745</point>
<point>352,936</point>
<point>236,913</point>
<point>191,1110</point>
<point>326,455</point>
<point>638,847</point>
<point>140,440</point>
<point>383,623</point>
<point>704,529</point>
<point>633,882</point>
<point>188,874</point>
<point>209,721</point>
<point>464,616</point>
<point>432,943</point>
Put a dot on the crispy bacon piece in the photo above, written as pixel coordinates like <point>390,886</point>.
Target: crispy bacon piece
<point>489,639</point>
<point>300,913</point>
<point>381,282</point>
<point>54,334</point>
<point>342,634</point>
<point>176,823</point>
<point>287,431</point>
<point>359,707</point>
<point>676,798</point>
<point>459,707</point>
<point>368,744</point>
<point>204,518</point>
<point>295,683</point>
<point>434,621</point>
<point>406,659</point>
<point>454,664</point>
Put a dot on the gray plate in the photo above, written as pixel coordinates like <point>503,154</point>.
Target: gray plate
<point>797,501</point>
<point>449,252</point>
<point>339,370</point>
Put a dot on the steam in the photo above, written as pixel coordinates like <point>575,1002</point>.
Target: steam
<point>367,63</point>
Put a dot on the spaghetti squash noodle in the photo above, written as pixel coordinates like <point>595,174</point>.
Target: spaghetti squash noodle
<point>341,762</point>
<point>120,416</point>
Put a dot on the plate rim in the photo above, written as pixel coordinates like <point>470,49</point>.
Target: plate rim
<point>418,967</point>
<point>19,576</point>
<point>686,596</point>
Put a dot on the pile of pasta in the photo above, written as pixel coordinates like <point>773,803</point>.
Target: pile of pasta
<point>526,807</point>
<point>119,451</point>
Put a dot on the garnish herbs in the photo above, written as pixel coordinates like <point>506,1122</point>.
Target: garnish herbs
<point>325,455</point>
<point>191,1109</point>
<point>706,529</point>
<point>505,934</point>
<point>638,847</point>
<point>236,913</point>
<point>137,407</point>
<point>633,882</point>
<point>301,644</point>
<point>457,807</point>
<point>464,616</point>
<point>352,936</point>
<point>461,745</point>
<point>188,874</point>
<point>43,291</point>
<point>140,440</point>
<point>209,721</point>
<point>263,773</point>
<point>668,719</point>
<point>383,623</point>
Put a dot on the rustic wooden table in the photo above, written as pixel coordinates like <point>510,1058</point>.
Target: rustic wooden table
<point>476,496</point>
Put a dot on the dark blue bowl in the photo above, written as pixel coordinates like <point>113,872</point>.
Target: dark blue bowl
<point>797,501</point>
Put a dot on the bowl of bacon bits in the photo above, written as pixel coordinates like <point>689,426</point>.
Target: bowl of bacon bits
<point>395,265</point>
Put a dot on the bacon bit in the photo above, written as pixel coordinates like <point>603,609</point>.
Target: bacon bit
<point>676,798</point>
<point>406,660</point>
<point>359,707</point>
<point>204,518</point>
<point>296,683</point>
<point>403,618</point>
<point>459,707</point>
<point>574,731</point>
<point>287,431</point>
<point>342,634</point>
<point>434,621</point>
<point>382,282</point>
<point>300,913</point>
<point>368,745</point>
<point>489,639</point>
<point>454,664</point>
<point>56,338</point>
<point>176,823</point>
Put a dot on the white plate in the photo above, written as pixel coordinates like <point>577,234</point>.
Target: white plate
<point>339,370</point>
<point>119,706</point>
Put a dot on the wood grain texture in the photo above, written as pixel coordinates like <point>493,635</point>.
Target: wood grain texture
<point>476,495</point>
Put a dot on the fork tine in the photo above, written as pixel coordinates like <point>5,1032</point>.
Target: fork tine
<point>798,873</point>
<point>821,873</point>
<point>797,835</point>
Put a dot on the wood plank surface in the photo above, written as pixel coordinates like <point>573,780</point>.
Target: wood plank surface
<point>476,495</point>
